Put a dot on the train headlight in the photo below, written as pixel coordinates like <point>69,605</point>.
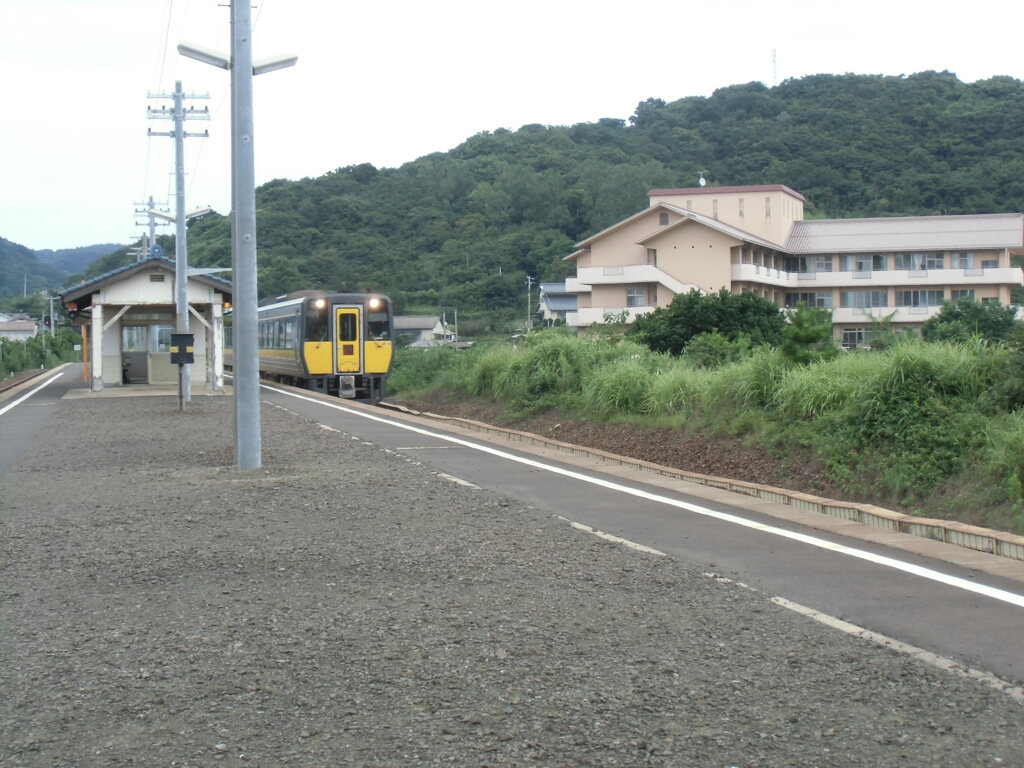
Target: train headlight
<point>320,303</point>
<point>374,303</point>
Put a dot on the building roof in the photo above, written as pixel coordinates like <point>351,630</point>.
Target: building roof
<point>687,215</point>
<point>415,322</point>
<point>17,326</point>
<point>911,233</point>
<point>725,190</point>
<point>89,287</point>
<point>708,221</point>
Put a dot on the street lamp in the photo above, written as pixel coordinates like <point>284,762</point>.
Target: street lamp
<point>248,449</point>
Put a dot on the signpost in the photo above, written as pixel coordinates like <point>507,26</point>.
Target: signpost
<point>182,354</point>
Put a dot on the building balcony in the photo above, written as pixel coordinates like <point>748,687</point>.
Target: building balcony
<point>865,316</point>
<point>755,273</point>
<point>631,274</point>
<point>573,285</point>
<point>587,316</point>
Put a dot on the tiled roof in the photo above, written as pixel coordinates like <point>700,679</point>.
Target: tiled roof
<point>415,322</point>
<point>562,302</point>
<point>17,325</point>
<point>913,233</point>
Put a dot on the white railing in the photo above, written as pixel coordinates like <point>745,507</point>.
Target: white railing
<point>634,273</point>
<point>755,273</point>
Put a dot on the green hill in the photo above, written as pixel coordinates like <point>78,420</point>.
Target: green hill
<point>463,228</point>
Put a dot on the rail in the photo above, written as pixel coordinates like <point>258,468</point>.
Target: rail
<point>21,378</point>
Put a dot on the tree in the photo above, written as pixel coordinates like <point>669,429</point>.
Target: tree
<point>808,336</point>
<point>670,329</point>
<point>964,318</point>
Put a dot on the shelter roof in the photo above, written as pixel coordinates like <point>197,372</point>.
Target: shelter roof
<point>93,285</point>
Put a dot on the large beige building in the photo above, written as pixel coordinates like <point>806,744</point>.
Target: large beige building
<point>755,238</point>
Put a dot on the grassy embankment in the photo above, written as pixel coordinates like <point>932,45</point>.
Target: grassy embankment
<point>934,427</point>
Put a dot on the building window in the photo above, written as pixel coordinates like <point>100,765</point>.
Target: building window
<point>863,299</point>
<point>919,298</point>
<point>862,262</point>
<point>916,262</point>
<point>741,207</point>
<point>768,207</point>
<point>962,293</point>
<point>823,299</point>
<point>662,219</point>
<point>635,297</point>
<point>714,209</point>
<point>854,337</point>
<point>990,264</point>
<point>962,260</point>
<point>652,256</point>
<point>162,337</point>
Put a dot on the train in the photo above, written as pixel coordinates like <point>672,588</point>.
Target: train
<point>339,344</point>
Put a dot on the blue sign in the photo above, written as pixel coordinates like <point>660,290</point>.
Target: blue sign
<point>156,252</point>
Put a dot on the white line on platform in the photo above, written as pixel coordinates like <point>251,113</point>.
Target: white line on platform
<point>29,394</point>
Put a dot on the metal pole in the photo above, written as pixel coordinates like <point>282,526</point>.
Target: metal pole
<point>152,230</point>
<point>180,245</point>
<point>248,448</point>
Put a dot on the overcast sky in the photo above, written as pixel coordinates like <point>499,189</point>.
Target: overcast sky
<point>386,83</point>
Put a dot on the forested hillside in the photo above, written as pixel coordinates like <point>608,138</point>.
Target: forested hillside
<point>21,272</point>
<point>464,228</point>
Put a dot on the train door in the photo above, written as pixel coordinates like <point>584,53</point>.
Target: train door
<point>348,349</point>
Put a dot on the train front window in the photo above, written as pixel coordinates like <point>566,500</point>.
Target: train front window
<point>316,323</point>
<point>377,326</point>
<point>347,330</point>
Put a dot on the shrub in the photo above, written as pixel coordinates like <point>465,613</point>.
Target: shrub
<point>713,350</point>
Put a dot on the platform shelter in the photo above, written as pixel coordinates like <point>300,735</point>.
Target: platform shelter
<point>127,316</point>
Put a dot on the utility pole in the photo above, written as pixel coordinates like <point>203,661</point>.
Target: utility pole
<point>529,304</point>
<point>248,440</point>
<point>149,210</point>
<point>180,114</point>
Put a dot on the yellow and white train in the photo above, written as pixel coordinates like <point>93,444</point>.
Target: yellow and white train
<point>336,343</point>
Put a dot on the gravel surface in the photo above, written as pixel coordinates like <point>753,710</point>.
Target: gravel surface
<point>346,606</point>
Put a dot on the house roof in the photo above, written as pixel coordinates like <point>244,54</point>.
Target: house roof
<point>910,233</point>
<point>726,190</point>
<point>415,322</point>
<point>560,302</point>
<point>13,326</point>
<point>115,275</point>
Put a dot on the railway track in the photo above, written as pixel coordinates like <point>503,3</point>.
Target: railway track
<point>21,378</point>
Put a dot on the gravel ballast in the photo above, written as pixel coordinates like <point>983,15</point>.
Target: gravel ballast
<point>345,605</point>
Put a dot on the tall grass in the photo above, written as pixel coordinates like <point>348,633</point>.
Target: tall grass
<point>810,391</point>
<point>903,425</point>
<point>677,390</point>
